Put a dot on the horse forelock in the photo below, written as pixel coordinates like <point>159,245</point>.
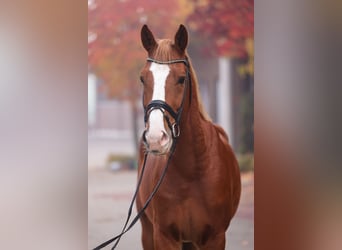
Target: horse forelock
<point>164,50</point>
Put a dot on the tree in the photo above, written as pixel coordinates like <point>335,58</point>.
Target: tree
<point>225,25</point>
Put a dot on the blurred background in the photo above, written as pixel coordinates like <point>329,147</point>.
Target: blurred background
<point>45,184</point>
<point>221,49</point>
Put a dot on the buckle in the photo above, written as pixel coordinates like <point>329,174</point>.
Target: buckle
<point>175,130</point>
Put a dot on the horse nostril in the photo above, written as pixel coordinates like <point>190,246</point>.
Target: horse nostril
<point>144,136</point>
<point>164,138</point>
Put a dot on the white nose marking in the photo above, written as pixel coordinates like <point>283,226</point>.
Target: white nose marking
<point>160,73</point>
<point>156,120</point>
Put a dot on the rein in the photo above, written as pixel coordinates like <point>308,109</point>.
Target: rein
<point>162,106</point>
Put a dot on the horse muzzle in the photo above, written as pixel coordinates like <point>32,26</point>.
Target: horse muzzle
<point>158,143</point>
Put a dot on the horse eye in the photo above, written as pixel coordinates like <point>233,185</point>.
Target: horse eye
<point>181,79</point>
<point>142,80</point>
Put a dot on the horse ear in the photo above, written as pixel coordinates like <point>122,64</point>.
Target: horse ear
<point>181,38</point>
<point>147,38</point>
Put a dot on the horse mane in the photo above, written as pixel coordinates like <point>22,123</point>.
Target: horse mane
<point>163,52</point>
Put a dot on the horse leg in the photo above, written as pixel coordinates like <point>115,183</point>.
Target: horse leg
<point>161,241</point>
<point>146,228</point>
<point>147,233</point>
<point>216,242</point>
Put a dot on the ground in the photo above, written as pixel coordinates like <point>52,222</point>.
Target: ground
<point>109,196</point>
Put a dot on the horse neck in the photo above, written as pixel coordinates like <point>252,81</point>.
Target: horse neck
<point>191,145</point>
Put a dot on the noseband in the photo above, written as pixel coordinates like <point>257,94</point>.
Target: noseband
<point>163,106</point>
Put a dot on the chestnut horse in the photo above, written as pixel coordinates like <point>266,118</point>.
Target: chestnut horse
<point>201,190</point>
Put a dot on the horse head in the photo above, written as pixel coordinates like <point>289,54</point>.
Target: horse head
<point>166,80</point>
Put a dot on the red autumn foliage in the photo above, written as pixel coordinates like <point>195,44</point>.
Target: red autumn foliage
<point>224,24</point>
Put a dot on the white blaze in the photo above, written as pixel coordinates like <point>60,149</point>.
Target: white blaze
<point>160,73</point>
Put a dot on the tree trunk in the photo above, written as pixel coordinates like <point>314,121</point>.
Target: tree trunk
<point>135,126</point>
<point>225,98</point>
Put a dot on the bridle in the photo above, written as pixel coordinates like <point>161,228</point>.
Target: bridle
<point>163,106</point>
<point>174,127</point>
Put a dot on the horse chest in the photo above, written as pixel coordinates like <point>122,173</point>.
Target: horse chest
<point>184,220</point>
<point>183,211</point>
